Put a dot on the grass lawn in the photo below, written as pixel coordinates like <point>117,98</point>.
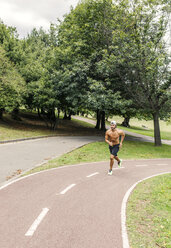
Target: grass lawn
<point>136,126</point>
<point>99,151</point>
<point>149,213</point>
<point>164,134</point>
<point>31,126</point>
<point>165,129</point>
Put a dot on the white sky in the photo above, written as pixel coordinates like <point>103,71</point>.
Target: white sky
<point>27,14</point>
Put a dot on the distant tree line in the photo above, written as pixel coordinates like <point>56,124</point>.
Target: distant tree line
<point>105,57</point>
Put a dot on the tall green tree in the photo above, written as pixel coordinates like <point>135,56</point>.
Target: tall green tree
<point>10,42</point>
<point>88,32</point>
<point>11,85</point>
<point>142,61</point>
<point>37,69</point>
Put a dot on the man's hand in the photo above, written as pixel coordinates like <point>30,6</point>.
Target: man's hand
<point>110,143</point>
<point>120,146</point>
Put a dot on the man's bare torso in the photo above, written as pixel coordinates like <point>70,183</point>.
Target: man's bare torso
<point>113,135</point>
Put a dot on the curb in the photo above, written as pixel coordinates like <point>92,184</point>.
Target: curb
<point>23,139</point>
<point>42,137</point>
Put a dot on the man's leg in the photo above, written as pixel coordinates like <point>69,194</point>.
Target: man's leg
<point>116,157</point>
<point>111,161</point>
<point>119,161</point>
<point>116,149</point>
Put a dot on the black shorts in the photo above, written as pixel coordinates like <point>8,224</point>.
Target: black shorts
<point>114,149</point>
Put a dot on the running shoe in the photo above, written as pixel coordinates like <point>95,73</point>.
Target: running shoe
<point>110,172</point>
<point>120,163</point>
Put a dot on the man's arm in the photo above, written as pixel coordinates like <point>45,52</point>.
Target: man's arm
<point>122,134</point>
<point>107,139</point>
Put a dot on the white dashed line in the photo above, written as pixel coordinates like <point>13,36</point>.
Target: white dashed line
<point>91,175</point>
<point>161,164</point>
<point>68,188</point>
<point>34,226</point>
<point>141,165</point>
<point>118,168</point>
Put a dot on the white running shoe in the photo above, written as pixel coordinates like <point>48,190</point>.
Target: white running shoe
<point>110,172</point>
<point>120,163</point>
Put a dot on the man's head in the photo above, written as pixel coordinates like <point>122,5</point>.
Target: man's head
<point>113,124</point>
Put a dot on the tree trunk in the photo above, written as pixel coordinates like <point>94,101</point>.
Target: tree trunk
<point>15,114</point>
<point>39,113</point>
<point>59,112</point>
<point>98,113</point>
<point>52,118</point>
<point>65,116</point>
<point>103,126</point>
<point>157,137</point>
<point>69,116</point>
<point>125,123</point>
<point>1,113</point>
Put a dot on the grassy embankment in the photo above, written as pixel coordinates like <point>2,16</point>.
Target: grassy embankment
<point>144,127</point>
<point>99,151</point>
<point>149,214</point>
<point>31,126</point>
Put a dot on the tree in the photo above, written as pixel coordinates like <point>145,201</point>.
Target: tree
<point>70,82</point>
<point>10,42</point>
<point>37,69</point>
<point>142,60</point>
<point>11,85</point>
<point>104,104</point>
<point>86,33</point>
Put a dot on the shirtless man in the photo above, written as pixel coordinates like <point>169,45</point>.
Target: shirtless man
<point>112,138</point>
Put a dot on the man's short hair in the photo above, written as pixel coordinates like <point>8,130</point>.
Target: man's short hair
<point>113,122</point>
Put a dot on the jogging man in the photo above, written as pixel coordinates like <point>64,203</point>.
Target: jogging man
<point>112,138</point>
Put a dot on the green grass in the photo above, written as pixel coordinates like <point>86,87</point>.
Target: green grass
<point>137,127</point>
<point>99,151</point>
<point>164,135</point>
<point>164,125</point>
<point>10,132</point>
<point>149,214</point>
<point>31,126</point>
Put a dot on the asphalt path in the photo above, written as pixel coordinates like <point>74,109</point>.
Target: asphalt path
<point>71,207</point>
<point>22,156</point>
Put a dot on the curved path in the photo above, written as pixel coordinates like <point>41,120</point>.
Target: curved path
<point>24,155</point>
<point>73,206</point>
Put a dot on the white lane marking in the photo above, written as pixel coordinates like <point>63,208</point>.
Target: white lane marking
<point>118,168</point>
<point>139,165</point>
<point>91,175</point>
<point>161,164</point>
<point>35,224</point>
<point>123,210</point>
<point>68,188</point>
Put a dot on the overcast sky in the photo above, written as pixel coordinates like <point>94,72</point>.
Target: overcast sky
<point>27,14</point>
